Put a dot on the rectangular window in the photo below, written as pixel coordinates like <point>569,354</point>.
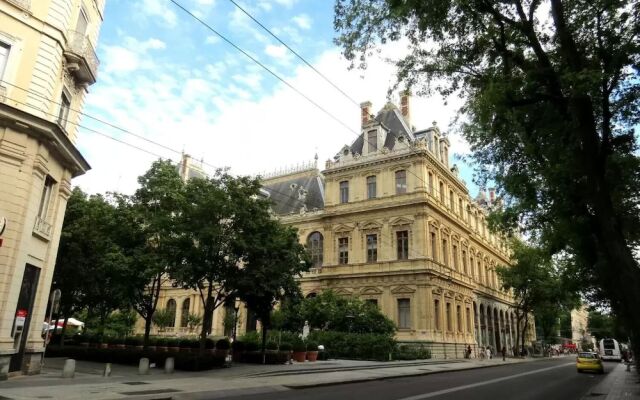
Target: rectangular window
<point>442,192</point>
<point>45,199</point>
<point>464,262</point>
<point>371,187</point>
<point>4,56</point>
<point>372,140</point>
<point>404,314</point>
<point>83,23</point>
<point>436,314</point>
<point>343,250</point>
<point>451,200</point>
<point>449,321</point>
<point>455,257</point>
<point>471,264</point>
<point>403,244</point>
<point>344,192</point>
<point>65,105</point>
<point>460,208</point>
<point>401,182</point>
<point>459,318</point>
<point>445,255</point>
<point>431,183</point>
<point>468,319</point>
<point>434,247</point>
<point>372,248</point>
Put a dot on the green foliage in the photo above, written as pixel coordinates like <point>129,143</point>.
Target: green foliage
<point>271,346</point>
<point>163,318</point>
<point>359,346</point>
<point>405,352</point>
<point>299,345</point>
<point>223,344</point>
<point>286,346</point>
<point>607,325</point>
<point>551,101</point>
<point>193,321</point>
<point>312,346</point>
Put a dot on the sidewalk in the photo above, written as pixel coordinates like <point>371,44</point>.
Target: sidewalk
<point>239,379</point>
<point>619,384</point>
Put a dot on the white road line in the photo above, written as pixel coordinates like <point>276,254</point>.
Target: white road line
<point>489,382</point>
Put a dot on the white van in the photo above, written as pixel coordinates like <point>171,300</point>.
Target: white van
<point>610,350</point>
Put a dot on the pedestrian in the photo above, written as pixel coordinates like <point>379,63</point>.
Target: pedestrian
<point>488,353</point>
<point>504,353</point>
<point>469,351</point>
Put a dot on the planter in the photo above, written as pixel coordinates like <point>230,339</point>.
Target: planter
<point>312,355</point>
<point>300,356</point>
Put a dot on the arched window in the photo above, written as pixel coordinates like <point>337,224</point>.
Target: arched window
<point>185,312</point>
<point>171,308</point>
<point>315,243</point>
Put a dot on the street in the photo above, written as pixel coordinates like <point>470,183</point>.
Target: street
<point>550,379</point>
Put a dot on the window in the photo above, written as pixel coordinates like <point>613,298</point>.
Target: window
<point>459,318</point>
<point>434,249</point>
<point>403,244</point>
<point>442,192</point>
<point>372,248</point>
<point>451,202</point>
<point>401,182</point>
<point>65,105</point>
<point>480,278</point>
<point>184,317</point>
<point>445,255</point>
<point>371,187</point>
<point>436,314</point>
<point>45,199</point>
<point>343,250</point>
<point>471,264</point>
<point>404,314</point>
<point>83,22</point>
<point>455,257</point>
<point>448,315</point>
<point>344,192</point>
<point>468,319</point>
<point>460,208</point>
<point>431,183</point>
<point>171,309</point>
<point>315,244</point>
<point>4,56</point>
<point>464,262</point>
<point>372,140</point>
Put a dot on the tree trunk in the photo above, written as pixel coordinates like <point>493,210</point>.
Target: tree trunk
<point>147,329</point>
<point>264,344</point>
<point>524,333</point>
<point>207,319</point>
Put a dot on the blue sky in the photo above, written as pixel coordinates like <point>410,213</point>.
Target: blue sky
<point>167,78</point>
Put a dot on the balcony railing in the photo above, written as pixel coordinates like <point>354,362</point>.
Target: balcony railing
<point>24,4</point>
<point>82,59</point>
<point>42,228</point>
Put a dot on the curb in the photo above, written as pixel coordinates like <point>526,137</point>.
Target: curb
<point>384,378</point>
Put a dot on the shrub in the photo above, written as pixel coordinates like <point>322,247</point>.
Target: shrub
<point>356,346</point>
<point>209,343</point>
<point>116,341</point>
<point>251,346</point>
<point>284,346</point>
<point>161,342</point>
<point>134,341</point>
<point>405,352</point>
<point>271,346</point>
<point>223,344</point>
<point>299,345</point>
<point>194,343</point>
<point>238,346</point>
<point>173,342</point>
<point>312,346</point>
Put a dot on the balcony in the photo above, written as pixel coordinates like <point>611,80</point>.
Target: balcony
<point>23,4</point>
<point>42,229</point>
<point>82,60</point>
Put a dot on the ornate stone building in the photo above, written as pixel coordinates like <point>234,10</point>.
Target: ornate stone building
<point>388,220</point>
<point>47,62</point>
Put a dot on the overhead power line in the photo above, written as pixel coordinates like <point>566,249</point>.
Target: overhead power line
<point>295,53</point>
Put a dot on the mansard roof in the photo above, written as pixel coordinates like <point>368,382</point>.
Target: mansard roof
<point>393,122</point>
<point>295,192</point>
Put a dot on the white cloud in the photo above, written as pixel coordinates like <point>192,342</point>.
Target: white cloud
<point>286,3</point>
<point>206,2</point>
<point>211,39</point>
<point>276,51</point>
<point>158,9</point>
<point>132,55</point>
<point>303,21</point>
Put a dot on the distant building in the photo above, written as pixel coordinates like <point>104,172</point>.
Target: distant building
<point>389,221</point>
<point>47,62</point>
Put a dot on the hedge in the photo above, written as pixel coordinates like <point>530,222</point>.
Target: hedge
<point>183,361</point>
<point>357,346</point>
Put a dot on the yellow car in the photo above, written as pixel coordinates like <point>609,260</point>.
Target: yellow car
<point>588,361</point>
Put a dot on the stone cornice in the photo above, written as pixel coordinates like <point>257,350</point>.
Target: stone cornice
<point>48,133</point>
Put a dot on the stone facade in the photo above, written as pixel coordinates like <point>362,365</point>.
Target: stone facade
<point>47,62</point>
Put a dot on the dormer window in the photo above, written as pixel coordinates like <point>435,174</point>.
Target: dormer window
<point>372,141</point>
<point>345,152</point>
<point>400,138</point>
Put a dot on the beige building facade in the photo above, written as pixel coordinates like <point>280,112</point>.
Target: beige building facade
<point>47,63</point>
<point>389,220</point>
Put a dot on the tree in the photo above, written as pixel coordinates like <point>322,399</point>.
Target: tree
<point>150,216</point>
<point>163,318</point>
<point>538,288</point>
<point>551,94</point>
<point>193,321</point>
<point>605,325</point>
<point>272,258</point>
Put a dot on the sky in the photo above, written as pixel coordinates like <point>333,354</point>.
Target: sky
<point>166,77</point>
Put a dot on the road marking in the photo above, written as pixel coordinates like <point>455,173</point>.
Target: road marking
<point>489,382</point>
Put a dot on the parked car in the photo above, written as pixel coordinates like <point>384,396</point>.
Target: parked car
<point>589,361</point>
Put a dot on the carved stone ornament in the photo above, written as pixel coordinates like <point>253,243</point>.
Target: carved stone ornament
<point>385,150</point>
<point>356,156</point>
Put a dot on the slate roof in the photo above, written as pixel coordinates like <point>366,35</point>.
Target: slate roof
<point>301,191</point>
<point>392,120</point>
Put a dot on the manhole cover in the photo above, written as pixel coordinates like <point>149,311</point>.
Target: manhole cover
<point>135,383</point>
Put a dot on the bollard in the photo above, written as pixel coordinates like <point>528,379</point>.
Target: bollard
<point>69,369</point>
<point>107,370</point>
<point>169,365</point>
<point>143,367</point>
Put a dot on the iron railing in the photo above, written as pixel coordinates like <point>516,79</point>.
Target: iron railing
<point>42,228</point>
<point>79,44</point>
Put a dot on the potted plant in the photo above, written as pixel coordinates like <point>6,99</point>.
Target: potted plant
<point>299,351</point>
<point>312,351</point>
<point>160,344</point>
<point>222,347</point>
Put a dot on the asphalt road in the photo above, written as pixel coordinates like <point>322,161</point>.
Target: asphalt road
<point>546,380</point>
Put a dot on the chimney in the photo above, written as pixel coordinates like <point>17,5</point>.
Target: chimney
<point>405,106</point>
<point>365,112</point>
<point>492,195</point>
